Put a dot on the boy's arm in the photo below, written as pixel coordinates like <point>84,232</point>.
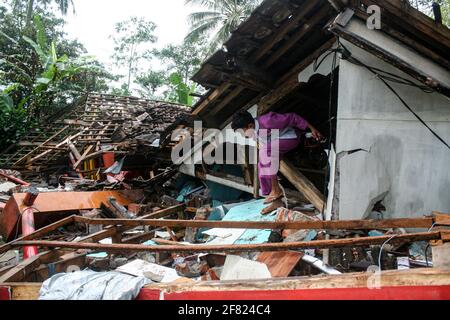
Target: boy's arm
<point>280,121</point>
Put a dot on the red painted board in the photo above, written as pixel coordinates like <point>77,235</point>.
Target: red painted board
<point>387,293</point>
<point>5,293</point>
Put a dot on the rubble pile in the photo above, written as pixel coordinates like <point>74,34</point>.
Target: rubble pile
<point>158,225</point>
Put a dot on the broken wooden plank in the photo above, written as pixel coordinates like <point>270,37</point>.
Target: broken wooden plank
<point>39,233</point>
<point>83,156</point>
<point>280,264</point>
<point>29,265</point>
<point>303,185</point>
<point>42,144</point>
<point>211,97</point>
<point>289,82</point>
<point>23,268</point>
<point>425,223</point>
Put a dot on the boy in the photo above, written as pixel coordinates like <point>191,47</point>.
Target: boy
<point>272,145</point>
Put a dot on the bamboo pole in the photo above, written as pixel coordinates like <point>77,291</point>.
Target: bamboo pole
<point>338,243</point>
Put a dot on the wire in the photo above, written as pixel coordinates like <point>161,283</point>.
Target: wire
<point>397,79</point>
<point>330,111</point>
<point>381,250</point>
<point>436,223</point>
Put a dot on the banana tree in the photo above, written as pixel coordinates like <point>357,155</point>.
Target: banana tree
<point>55,70</point>
<point>181,91</point>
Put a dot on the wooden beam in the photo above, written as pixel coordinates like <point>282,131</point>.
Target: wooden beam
<point>282,31</point>
<point>306,27</point>
<point>409,16</point>
<point>83,157</point>
<point>211,97</point>
<point>425,223</point>
<point>59,145</point>
<point>289,82</point>
<point>425,277</point>
<point>25,267</point>
<point>42,144</point>
<point>226,100</point>
<point>303,185</point>
<point>320,244</point>
<point>422,49</point>
<point>112,230</point>
<point>39,233</point>
<point>386,56</point>
<point>393,278</point>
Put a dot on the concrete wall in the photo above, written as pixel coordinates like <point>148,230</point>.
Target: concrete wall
<point>401,163</point>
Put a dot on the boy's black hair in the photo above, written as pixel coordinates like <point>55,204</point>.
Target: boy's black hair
<point>242,120</point>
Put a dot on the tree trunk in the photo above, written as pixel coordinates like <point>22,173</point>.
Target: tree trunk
<point>29,13</point>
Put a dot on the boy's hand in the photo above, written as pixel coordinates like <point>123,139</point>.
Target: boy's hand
<point>316,134</point>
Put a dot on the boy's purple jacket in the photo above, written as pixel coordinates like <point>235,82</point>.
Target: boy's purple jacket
<point>273,120</point>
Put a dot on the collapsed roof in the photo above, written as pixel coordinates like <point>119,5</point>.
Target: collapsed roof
<point>98,123</point>
<point>281,38</point>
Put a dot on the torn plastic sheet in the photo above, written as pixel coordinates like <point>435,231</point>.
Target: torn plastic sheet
<point>90,285</point>
<point>247,211</point>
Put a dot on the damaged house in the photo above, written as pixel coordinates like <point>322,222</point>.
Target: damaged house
<point>380,96</point>
<point>373,193</point>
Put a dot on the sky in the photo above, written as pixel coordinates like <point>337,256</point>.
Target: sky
<point>94,20</point>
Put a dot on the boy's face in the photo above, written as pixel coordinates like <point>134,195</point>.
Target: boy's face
<point>250,131</point>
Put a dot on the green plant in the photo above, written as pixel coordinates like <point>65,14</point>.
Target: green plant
<point>219,19</point>
<point>181,91</point>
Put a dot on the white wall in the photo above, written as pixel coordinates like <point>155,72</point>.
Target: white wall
<point>403,163</point>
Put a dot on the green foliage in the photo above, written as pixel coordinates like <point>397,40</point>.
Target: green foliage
<point>182,90</point>
<point>13,119</point>
<point>173,83</point>
<point>150,82</point>
<point>41,70</point>
<point>218,20</point>
<point>426,6</point>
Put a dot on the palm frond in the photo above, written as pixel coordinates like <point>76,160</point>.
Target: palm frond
<point>202,30</point>
<point>196,17</point>
<point>227,13</point>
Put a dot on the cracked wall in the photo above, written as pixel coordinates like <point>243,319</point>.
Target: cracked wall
<point>399,161</point>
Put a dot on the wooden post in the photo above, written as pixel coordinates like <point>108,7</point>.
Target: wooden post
<point>303,185</point>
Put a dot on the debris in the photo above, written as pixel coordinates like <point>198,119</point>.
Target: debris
<point>319,264</point>
<point>280,263</point>
<point>190,267</point>
<point>151,271</point>
<point>202,214</point>
<point>116,168</point>
<point>143,117</point>
<point>6,187</point>
<point>295,235</point>
<point>119,210</point>
<point>90,285</point>
<point>237,268</point>
<point>403,263</point>
<point>441,256</point>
